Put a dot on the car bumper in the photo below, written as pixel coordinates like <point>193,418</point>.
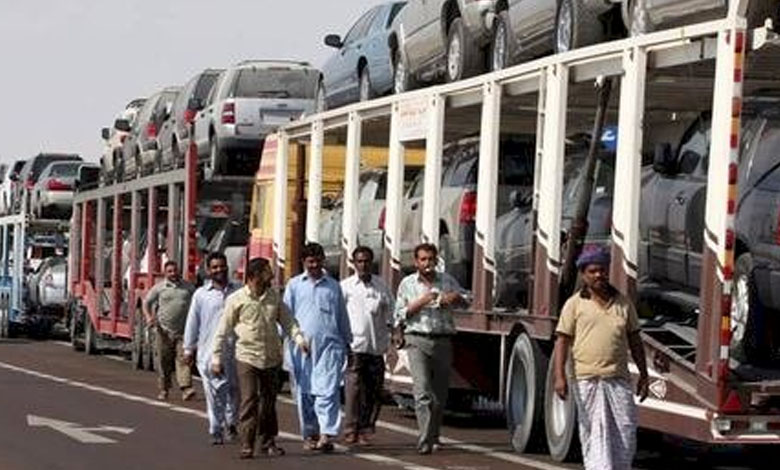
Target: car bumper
<point>241,142</point>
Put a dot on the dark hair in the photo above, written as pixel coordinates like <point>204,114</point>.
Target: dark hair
<point>170,262</point>
<point>313,250</point>
<point>429,247</point>
<point>255,266</point>
<point>363,249</point>
<point>215,255</point>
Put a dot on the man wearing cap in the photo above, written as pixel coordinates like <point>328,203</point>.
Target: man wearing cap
<point>599,326</point>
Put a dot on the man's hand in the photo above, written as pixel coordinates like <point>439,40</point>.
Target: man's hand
<point>561,388</point>
<point>303,345</point>
<point>216,368</point>
<point>428,297</point>
<point>450,298</point>
<point>642,387</point>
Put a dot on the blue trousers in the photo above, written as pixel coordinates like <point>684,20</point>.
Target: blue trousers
<point>319,414</point>
<point>221,397</point>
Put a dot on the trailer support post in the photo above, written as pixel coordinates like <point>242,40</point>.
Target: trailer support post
<point>349,227</point>
<point>314,197</point>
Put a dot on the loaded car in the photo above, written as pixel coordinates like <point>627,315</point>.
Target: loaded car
<point>361,68</point>
<point>32,170</point>
<point>114,138</point>
<point>53,192</point>
<point>10,182</point>
<point>47,289</point>
<point>140,153</point>
<point>174,136</point>
<point>673,229</point>
<point>249,101</point>
<point>434,39</point>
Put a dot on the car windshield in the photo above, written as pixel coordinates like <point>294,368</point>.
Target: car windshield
<point>276,83</point>
<point>65,170</point>
<point>43,161</point>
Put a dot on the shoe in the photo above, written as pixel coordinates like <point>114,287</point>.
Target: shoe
<point>324,445</point>
<point>188,394</point>
<point>163,395</point>
<point>232,434</point>
<point>216,439</point>
<point>350,438</point>
<point>246,454</point>
<point>437,446</point>
<point>274,451</point>
<point>424,449</point>
<point>310,443</point>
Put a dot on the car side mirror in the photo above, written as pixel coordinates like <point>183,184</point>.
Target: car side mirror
<point>333,40</point>
<point>195,104</point>
<point>662,160</point>
<point>105,133</point>
<point>122,125</point>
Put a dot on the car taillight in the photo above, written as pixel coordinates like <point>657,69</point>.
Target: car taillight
<point>151,130</point>
<point>381,224</point>
<point>57,185</point>
<point>229,113</point>
<point>468,207</point>
<point>189,115</point>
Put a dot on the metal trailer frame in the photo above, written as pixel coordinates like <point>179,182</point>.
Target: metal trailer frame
<point>700,400</point>
<point>90,215</point>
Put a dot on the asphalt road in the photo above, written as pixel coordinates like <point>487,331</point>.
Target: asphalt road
<point>65,410</point>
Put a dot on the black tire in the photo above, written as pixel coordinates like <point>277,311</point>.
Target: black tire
<point>5,322</point>
<point>137,347</point>
<point>748,316</point>
<point>636,20</point>
<point>320,102</point>
<point>524,395</point>
<point>76,329</point>
<point>560,418</point>
<point>365,92</point>
<point>462,53</point>
<point>499,44</point>
<point>148,348</point>
<point>90,346</point>
<point>402,77</point>
<point>576,26</point>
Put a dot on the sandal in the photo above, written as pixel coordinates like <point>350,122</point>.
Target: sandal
<point>274,451</point>
<point>324,445</point>
<point>310,443</point>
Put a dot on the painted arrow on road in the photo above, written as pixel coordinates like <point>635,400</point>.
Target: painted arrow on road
<point>85,435</point>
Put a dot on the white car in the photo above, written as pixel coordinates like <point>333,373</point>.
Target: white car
<point>53,192</point>
<point>249,101</point>
<point>115,137</point>
<point>9,185</point>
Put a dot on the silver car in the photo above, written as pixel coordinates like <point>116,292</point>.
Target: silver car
<point>140,152</point>
<point>47,287</point>
<point>249,101</point>
<point>440,38</point>
<point>52,194</point>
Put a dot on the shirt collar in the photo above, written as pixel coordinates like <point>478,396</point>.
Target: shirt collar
<point>305,276</point>
<point>419,279</point>
<point>210,286</point>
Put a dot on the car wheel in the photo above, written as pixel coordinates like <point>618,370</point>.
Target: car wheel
<point>747,316</point>
<point>574,26</point>
<point>320,103</point>
<point>560,417</point>
<point>524,394</point>
<point>638,22</point>
<point>461,53</point>
<point>365,93</point>
<point>402,80</point>
<point>499,46</point>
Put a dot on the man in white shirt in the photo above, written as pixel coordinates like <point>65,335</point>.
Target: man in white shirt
<point>370,307</point>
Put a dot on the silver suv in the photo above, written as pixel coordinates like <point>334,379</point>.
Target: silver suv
<point>432,38</point>
<point>249,101</point>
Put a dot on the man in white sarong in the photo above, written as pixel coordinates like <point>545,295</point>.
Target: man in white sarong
<point>599,326</point>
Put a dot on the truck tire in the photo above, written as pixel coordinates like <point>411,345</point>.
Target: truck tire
<point>748,316</point>
<point>5,327</point>
<point>90,346</point>
<point>462,53</point>
<point>137,348</point>
<point>576,26</point>
<point>76,329</point>
<point>560,418</point>
<point>524,395</point>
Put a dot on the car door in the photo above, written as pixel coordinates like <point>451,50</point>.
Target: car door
<point>432,41</point>
<point>206,115</point>
<point>411,24</point>
<point>660,11</point>
<point>532,23</point>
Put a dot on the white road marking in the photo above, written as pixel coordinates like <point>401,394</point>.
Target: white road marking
<point>454,443</point>
<point>148,401</point>
<point>85,435</point>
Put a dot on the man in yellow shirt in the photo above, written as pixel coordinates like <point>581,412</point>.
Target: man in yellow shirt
<point>599,326</point>
<point>252,313</point>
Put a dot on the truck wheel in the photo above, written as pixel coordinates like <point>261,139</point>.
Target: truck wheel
<point>576,26</point>
<point>76,331</point>
<point>747,316</point>
<point>5,329</point>
<point>89,336</point>
<point>524,395</point>
<point>560,418</point>
<point>137,348</point>
<point>462,53</point>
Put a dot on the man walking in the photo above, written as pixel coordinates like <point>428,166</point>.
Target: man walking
<point>165,309</point>
<point>316,302</point>
<point>252,313</point>
<point>202,321</point>
<point>369,305</point>
<point>599,325</point>
<point>423,310</point>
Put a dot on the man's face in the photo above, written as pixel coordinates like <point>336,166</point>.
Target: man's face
<point>172,272</point>
<point>595,276</point>
<point>313,266</point>
<point>218,270</point>
<point>363,264</point>
<point>425,261</point>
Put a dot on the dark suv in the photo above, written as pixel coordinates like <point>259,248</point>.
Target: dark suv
<point>672,227</point>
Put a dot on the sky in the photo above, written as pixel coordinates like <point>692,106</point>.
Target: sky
<point>68,67</point>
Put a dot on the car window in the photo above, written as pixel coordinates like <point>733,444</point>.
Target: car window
<point>204,86</point>
<point>516,164</point>
<point>765,161</point>
<point>146,112</point>
<point>215,89</point>
<point>42,161</point>
<point>695,146</point>
<point>64,170</point>
<point>360,28</point>
<point>397,7</point>
<point>181,100</point>
<point>372,188</point>
<point>417,185</point>
<point>463,173</point>
<point>276,83</point>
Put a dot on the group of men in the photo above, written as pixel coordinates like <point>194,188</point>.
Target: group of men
<point>341,330</point>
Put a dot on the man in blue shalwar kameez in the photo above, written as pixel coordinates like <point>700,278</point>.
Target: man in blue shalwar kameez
<point>316,302</point>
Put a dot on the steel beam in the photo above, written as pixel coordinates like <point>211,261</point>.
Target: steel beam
<point>391,261</point>
<point>314,194</point>
<point>351,215</point>
<point>431,203</point>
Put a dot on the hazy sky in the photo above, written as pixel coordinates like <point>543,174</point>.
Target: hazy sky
<point>67,67</point>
